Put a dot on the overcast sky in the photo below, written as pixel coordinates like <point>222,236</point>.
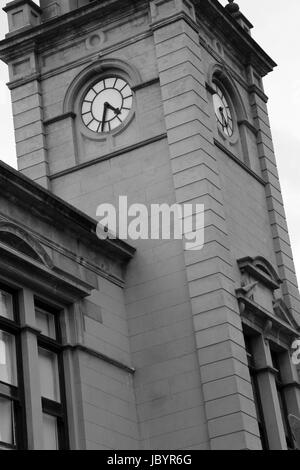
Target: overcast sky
<point>276,28</point>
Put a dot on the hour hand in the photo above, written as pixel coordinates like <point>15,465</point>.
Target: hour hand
<point>112,108</point>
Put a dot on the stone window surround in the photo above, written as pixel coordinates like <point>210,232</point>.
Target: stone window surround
<point>268,333</point>
<point>222,77</point>
<point>31,280</point>
<point>29,338</point>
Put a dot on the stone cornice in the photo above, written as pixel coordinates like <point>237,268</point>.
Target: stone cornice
<point>26,192</point>
<point>23,81</point>
<point>61,285</point>
<point>171,19</point>
<point>61,250</point>
<point>239,39</point>
<point>52,30</point>
<point>259,92</point>
<point>239,162</point>
<point>265,319</point>
<point>248,124</point>
<point>17,3</point>
<point>110,155</point>
<point>211,10</point>
<point>101,356</point>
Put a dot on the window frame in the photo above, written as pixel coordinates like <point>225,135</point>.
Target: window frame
<point>281,396</point>
<point>12,393</point>
<point>50,407</point>
<point>256,392</point>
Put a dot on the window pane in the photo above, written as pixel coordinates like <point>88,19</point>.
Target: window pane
<point>46,323</point>
<point>6,305</point>
<point>8,366</point>
<point>7,434</point>
<point>49,375</point>
<point>50,433</point>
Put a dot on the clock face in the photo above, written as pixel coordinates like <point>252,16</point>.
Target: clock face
<point>223,112</point>
<point>106,105</point>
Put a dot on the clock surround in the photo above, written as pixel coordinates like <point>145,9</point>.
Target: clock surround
<point>106,105</point>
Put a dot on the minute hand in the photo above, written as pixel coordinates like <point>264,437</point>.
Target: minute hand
<point>104,117</point>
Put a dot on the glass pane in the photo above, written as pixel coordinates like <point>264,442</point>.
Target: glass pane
<point>109,82</point>
<point>50,433</point>
<point>46,323</point>
<point>8,365</point>
<point>49,375</point>
<point>6,305</point>
<point>7,433</point>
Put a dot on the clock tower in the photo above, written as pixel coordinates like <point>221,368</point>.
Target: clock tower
<point>162,101</point>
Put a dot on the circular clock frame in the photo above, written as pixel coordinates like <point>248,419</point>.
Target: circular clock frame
<point>223,111</point>
<point>106,105</point>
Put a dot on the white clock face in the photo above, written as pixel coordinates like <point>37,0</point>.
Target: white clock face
<point>106,105</point>
<point>223,112</point>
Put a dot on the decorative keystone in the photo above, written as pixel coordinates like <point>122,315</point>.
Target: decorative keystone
<point>22,14</point>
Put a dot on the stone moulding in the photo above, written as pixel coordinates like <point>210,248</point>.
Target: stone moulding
<point>96,68</point>
<point>22,269</point>
<point>251,52</point>
<point>262,270</point>
<point>30,195</point>
<point>32,244</point>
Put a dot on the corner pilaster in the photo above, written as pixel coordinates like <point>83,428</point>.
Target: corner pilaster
<point>281,240</point>
<point>227,390</point>
<point>27,108</point>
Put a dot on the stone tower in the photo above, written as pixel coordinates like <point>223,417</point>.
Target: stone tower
<point>209,331</point>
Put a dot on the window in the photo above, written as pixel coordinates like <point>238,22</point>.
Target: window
<point>282,401</point>
<point>6,305</point>
<point>8,364</point>
<point>50,432</point>
<point>256,394</point>
<point>48,365</point>
<point>7,423</point>
<point>51,379</point>
<point>45,323</point>
<point>12,435</point>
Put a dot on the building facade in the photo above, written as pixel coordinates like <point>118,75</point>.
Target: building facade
<point>146,345</point>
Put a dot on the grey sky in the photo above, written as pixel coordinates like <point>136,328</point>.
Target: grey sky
<point>276,29</point>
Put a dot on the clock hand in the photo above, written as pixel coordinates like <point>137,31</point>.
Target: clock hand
<point>224,123</point>
<point>115,110</point>
<point>104,116</point>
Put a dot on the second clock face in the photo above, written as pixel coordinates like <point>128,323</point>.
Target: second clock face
<point>223,112</point>
<point>106,105</point>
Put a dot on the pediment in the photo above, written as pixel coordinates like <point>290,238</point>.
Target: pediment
<point>281,311</point>
<point>260,270</point>
<point>257,298</point>
<point>21,241</point>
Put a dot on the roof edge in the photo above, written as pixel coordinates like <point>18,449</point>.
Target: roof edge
<point>23,189</point>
